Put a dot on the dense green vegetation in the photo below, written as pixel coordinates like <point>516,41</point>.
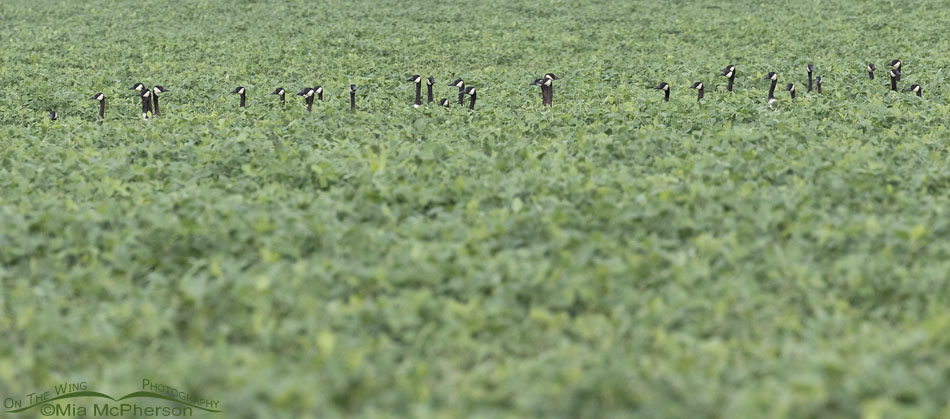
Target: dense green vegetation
<point>615,256</point>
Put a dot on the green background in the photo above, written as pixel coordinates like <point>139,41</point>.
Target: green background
<point>615,256</point>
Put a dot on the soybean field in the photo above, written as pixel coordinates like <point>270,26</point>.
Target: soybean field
<point>611,256</point>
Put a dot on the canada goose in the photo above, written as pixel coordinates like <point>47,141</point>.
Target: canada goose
<point>544,95</point>
<point>102,104</point>
<point>319,92</point>
<point>810,69</point>
<point>307,94</point>
<point>429,82</point>
<point>471,92</point>
<point>818,84</point>
<point>444,103</point>
<point>461,85</point>
<point>730,73</point>
<point>871,68</point>
<point>895,75</point>
<point>547,89</point>
<point>791,90</point>
<point>916,89</point>
<point>155,91</point>
<point>280,92</point>
<point>52,115</point>
<point>699,88</point>
<point>417,79</point>
<point>897,65</point>
<point>665,87</point>
<point>240,90</point>
<point>352,97</point>
<point>549,86</point>
<point>139,87</point>
<point>146,103</point>
<point>774,77</point>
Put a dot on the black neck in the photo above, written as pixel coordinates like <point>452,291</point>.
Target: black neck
<point>809,82</point>
<point>418,94</point>
<point>819,89</point>
<point>309,103</point>
<point>145,106</point>
<point>352,100</point>
<point>700,95</point>
<point>772,89</point>
<point>894,83</point>
<point>155,104</point>
<point>731,79</point>
<point>243,99</point>
<point>429,89</point>
<point>102,109</point>
<point>471,105</point>
<point>282,100</point>
<point>461,94</point>
<point>920,92</point>
<point>320,96</point>
<point>871,75</point>
<point>666,95</point>
<point>792,92</point>
<point>545,95</point>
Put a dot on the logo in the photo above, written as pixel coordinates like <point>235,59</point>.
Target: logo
<point>151,400</point>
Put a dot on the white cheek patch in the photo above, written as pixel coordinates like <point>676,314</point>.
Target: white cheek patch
<point>700,87</point>
<point>242,91</point>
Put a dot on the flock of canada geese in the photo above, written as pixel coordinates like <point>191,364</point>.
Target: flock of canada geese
<point>150,103</point>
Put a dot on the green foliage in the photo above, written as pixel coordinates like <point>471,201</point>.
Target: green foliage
<point>615,256</point>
